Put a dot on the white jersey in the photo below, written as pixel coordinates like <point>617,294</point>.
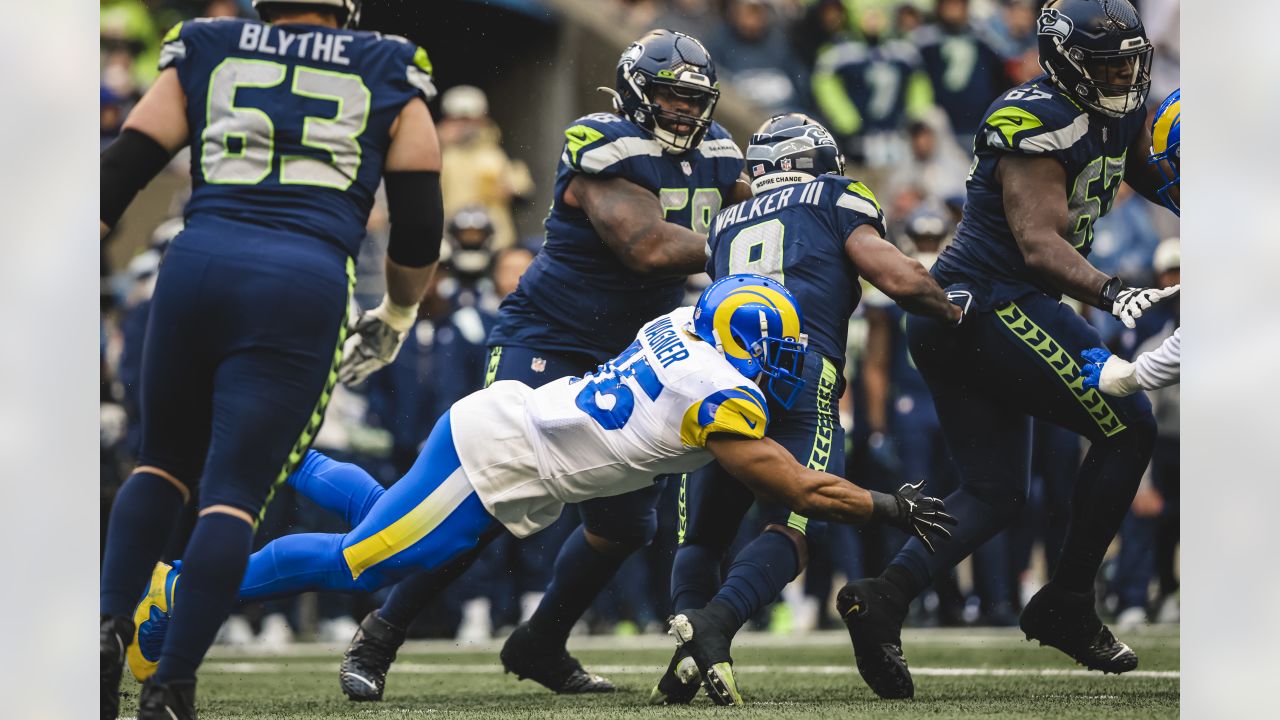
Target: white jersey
<point>645,413</point>
<point>1162,366</point>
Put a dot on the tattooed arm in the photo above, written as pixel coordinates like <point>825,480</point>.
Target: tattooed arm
<point>629,220</point>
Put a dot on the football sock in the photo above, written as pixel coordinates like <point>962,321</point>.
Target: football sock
<point>580,573</point>
<point>759,573</point>
<point>205,593</point>
<point>409,596</point>
<point>142,518</point>
<point>695,576</point>
<point>296,563</point>
<point>341,488</point>
<point>978,519</point>
<point>1105,486</point>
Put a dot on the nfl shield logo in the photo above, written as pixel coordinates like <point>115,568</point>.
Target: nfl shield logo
<point>684,165</point>
<point>538,364</point>
<point>785,164</point>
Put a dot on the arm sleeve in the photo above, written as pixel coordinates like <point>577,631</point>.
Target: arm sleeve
<point>1161,367</point>
<point>740,410</point>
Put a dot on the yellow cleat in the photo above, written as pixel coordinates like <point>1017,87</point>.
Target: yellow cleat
<point>151,620</point>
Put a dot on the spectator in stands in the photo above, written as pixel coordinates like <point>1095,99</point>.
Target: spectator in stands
<point>934,164</point>
<point>865,90</point>
<point>1013,30</point>
<point>823,24</point>
<point>475,169</point>
<point>964,68</point>
<point>907,18</point>
<point>691,17</point>
<point>751,51</point>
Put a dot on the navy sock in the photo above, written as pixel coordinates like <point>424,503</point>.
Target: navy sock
<point>978,521</point>
<point>580,573</point>
<point>206,592</point>
<point>758,575</point>
<point>142,518</point>
<point>695,576</point>
<point>409,596</point>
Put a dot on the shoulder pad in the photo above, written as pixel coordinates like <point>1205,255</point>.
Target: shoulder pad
<point>854,195</point>
<point>600,140</point>
<point>1033,118</point>
<point>740,410</point>
<point>719,143</point>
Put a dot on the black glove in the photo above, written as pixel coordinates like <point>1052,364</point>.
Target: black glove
<point>962,297</point>
<point>912,512</point>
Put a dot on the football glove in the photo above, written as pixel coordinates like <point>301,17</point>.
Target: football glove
<point>920,515</point>
<point>962,298</point>
<point>1132,302</point>
<point>1106,372</point>
<point>375,340</point>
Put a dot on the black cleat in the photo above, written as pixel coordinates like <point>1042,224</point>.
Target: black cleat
<point>169,701</point>
<point>679,685</point>
<point>533,657</point>
<point>112,640</point>
<point>874,617</point>
<point>1068,621</point>
<point>706,637</point>
<point>363,674</point>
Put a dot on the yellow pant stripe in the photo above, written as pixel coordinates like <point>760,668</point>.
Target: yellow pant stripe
<point>410,528</point>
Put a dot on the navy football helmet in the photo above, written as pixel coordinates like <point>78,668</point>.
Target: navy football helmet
<point>675,68</point>
<point>348,10</point>
<point>1097,52</point>
<point>791,148</point>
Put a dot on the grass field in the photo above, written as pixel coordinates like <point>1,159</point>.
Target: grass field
<point>959,673</point>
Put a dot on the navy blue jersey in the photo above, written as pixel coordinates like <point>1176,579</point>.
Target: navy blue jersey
<point>290,124</point>
<point>795,234</point>
<point>577,296</point>
<point>965,70</point>
<point>1034,118</point>
<point>875,78</point>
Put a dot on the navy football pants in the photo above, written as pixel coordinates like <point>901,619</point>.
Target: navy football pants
<point>988,379</point>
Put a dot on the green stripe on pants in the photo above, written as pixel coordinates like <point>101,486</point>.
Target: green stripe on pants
<point>303,443</point>
<point>820,455</point>
<point>1062,364</point>
<point>495,356</point>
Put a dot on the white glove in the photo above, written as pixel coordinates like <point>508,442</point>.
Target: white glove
<point>376,337</point>
<point>1132,302</point>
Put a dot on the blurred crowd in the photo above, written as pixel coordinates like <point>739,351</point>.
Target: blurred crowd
<point>904,84</point>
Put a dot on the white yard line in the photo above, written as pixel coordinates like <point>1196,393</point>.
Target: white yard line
<point>412,668</point>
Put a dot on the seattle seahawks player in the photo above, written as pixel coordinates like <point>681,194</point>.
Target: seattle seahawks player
<point>695,384</point>
<point>815,231</point>
<point>292,125</point>
<point>634,194</point>
<point>1048,160</point>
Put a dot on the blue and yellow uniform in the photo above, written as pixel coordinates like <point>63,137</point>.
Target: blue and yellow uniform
<point>1014,358</point>
<point>796,235</point>
<point>289,127</point>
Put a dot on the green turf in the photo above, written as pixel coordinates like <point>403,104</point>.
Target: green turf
<point>789,678</point>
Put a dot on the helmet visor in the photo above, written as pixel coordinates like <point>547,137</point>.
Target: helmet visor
<point>682,109</point>
<point>782,360</point>
<point>1121,78</point>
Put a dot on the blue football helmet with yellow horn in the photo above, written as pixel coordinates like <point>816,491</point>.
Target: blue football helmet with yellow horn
<point>1166,147</point>
<point>756,325</point>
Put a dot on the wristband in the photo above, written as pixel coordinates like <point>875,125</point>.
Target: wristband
<point>1110,291</point>
<point>397,317</point>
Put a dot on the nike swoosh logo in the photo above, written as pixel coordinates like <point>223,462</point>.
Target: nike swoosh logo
<point>750,423</point>
<point>1016,121</point>
<point>366,681</point>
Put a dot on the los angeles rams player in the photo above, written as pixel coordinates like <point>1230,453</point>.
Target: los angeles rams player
<point>1049,158</point>
<point>815,231</point>
<point>695,384</point>
<point>634,194</point>
<point>291,125</point>
<point>1162,366</point>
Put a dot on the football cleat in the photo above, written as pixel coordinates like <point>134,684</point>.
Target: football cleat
<point>171,701</point>
<point>151,621</point>
<point>1068,621</point>
<point>532,656</point>
<point>874,619</point>
<point>679,684</point>
<point>363,674</point>
<point>706,641</point>
<point>114,637</point>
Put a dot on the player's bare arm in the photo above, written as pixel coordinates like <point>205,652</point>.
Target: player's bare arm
<point>629,220</point>
<point>898,276</point>
<point>153,132</point>
<point>769,470</point>
<point>1035,203</point>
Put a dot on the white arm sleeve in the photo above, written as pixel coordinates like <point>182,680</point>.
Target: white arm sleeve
<point>1161,367</point>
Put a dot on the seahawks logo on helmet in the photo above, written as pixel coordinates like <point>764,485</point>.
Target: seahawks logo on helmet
<point>1054,24</point>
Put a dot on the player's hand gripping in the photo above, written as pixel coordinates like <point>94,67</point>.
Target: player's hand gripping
<point>1106,372</point>
<point>375,340</point>
<point>918,514</point>
<point>1132,302</point>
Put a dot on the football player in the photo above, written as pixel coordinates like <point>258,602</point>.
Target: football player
<point>815,231</point>
<point>292,125</point>
<point>1162,366</point>
<point>696,384</point>
<point>1049,158</point>
<point>635,192</point>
